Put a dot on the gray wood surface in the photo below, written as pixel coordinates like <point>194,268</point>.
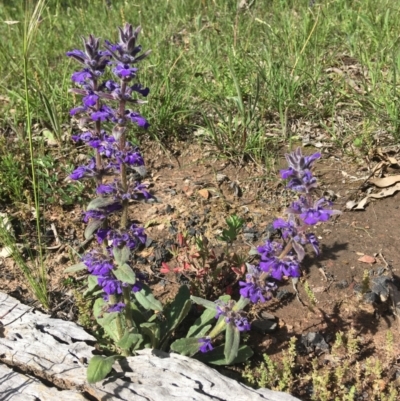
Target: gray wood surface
<point>47,350</point>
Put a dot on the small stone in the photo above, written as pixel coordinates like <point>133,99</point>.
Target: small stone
<point>379,285</point>
<point>314,342</point>
<point>342,284</point>
<point>267,316</point>
<point>370,298</point>
<point>249,236</point>
<point>264,326</point>
<point>282,294</point>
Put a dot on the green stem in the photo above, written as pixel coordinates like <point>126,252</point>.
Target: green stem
<point>112,300</point>
<point>42,295</point>
<point>128,307</point>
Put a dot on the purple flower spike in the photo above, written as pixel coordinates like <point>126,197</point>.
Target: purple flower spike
<point>206,345</point>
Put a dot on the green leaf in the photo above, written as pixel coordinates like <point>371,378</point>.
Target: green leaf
<point>186,346</point>
<point>225,298</point>
<point>204,302</point>
<point>125,274</point>
<point>92,285</point>
<point>203,321</point>
<point>100,202</point>
<point>146,298</point>
<point>93,225</point>
<point>175,312</point>
<point>99,367</point>
<point>121,255</point>
<point>75,268</point>
<point>241,304</point>
<point>152,330</point>
<point>217,357</point>
<point>232,340</point>
<point>108,318</point>
<point>130,340</point>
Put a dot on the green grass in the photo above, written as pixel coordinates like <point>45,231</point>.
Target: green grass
<point>229,75</point>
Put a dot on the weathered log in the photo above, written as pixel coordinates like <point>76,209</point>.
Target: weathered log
<point>54,351</point>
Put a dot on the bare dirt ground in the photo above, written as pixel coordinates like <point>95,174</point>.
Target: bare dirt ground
<point>197,191</point>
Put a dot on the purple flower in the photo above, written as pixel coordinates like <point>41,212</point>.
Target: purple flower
<point>110,285</point>
<point>125,71</point>
<point>131,238</point>
<point>255,288</point>
<point>102,213</point>
<point>303,182</point>
<point>78,110</point>
<point>317,213</point>
<point>231,316</point>
<point>105,113</point>
<point>138,119</point>
<point>90,99</point>
<point>118,307</point>
<point>137,286</point>
<point>302,179</point>
<point>312,239</point>
<point>126,51</point>
<point>273,264</point>
<point>206,345</point>
<point>242,324</point>
<point>98,263</point>
<point>288,228</point>
<point>80,77</point>
<point>84,171</point>
<point>93,59</point>
<point>139,88</point>
<point>297,162</point>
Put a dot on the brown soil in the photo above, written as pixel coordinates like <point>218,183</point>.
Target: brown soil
<point>197,191</point>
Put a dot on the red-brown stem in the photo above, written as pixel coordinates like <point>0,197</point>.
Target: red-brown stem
<point>122,142</point>
<point>97,131</point>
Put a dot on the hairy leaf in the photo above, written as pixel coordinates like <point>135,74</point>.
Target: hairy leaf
<point>92,227</point>
<point>130,340</point>
<point>121,255</point>
<point>203,321</point>
<point>204,302</point>
<point>146,298</point>
<point>176,312</point>
<point>242,303</point>
<point>99,367</point>
<point>100,202</point>
<point>232,340</point>
<point>186,346</point>
<point>152,330</point>
<point>75,268</point>
<point>125,274</point>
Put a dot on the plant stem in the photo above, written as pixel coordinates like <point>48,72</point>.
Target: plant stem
<point>112,300</point>
<point>30,28</point>
<point>128,307</point>
<point>122,143</point>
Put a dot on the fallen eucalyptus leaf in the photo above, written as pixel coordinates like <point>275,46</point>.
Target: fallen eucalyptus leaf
<point>386,181</point>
